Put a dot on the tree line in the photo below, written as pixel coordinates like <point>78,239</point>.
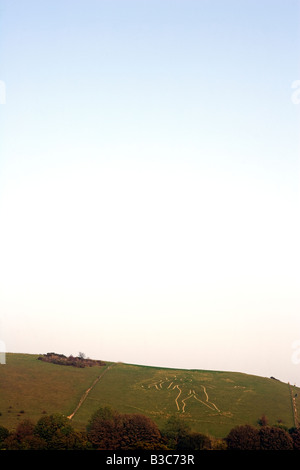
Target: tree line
<point>108,429</point>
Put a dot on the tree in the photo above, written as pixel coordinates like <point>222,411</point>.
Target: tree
<point>174,429</point>
<point>139,431</point>
<point>104,429</point>
<point>55,430</point>
<point>274,438</point>
<point>110,430</point>
<point>52,432</point>
<point>244,437</point>
<point>23,438</point>
<point>32,442</point>
<point>77,440</point>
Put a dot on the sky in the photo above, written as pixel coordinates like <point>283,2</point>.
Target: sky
<point>149,182</point>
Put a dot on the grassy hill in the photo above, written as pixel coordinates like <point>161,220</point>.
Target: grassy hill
<point>211,402</point>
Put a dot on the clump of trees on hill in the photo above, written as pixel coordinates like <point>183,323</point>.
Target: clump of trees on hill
<point>53,432</point>
<point>110,430</point>
<point>75,361</point>
<point>248,437</point>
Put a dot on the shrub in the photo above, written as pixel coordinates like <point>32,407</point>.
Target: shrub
<point>263,421</point>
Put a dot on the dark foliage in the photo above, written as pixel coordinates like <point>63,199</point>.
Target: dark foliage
<point>104,429</point>
<point>275,438</point>
<point>295,435</point>
<point>52,432</point>
<point>193,441</point>
<point>265,438</point>
<point>174,430</point>
<point>110,430</point>
<point>23,438</point>
<point>243,437</point>
<point>4,433</point>
<point>139,432</point>
<point>58,433</point>
<point>263,421</point>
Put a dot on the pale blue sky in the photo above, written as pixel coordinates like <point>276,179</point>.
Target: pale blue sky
<point>149,181</point>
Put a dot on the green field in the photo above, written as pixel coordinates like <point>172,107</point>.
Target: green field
<point>209,401</point>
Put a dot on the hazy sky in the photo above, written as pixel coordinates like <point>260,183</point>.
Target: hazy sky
<point>149,182</point>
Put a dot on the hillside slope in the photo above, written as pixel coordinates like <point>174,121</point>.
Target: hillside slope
<point>211,402</point>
